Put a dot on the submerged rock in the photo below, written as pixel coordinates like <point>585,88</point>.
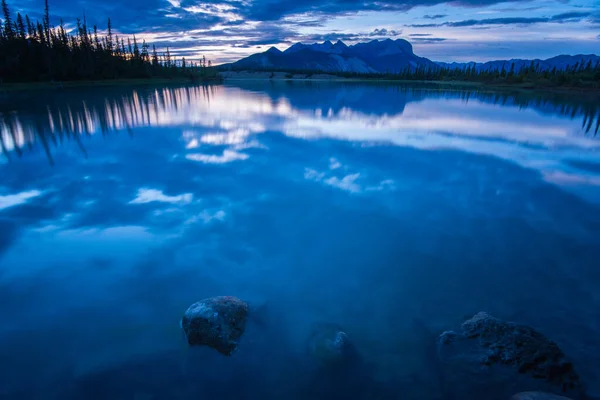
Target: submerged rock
<point>537,396</point>
<point>217,322</point>
<point>328,344</point>
<point>503,358</point>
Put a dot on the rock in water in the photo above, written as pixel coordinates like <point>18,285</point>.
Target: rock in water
<point>328,344</point>
<point>217,322</point>
<point>537,396</point>
<point>502,358</point>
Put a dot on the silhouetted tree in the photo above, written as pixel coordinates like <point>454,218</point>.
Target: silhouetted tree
<point>31,51</point>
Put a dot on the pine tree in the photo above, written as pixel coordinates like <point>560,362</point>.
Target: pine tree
<point>145,55</point>
<point>20,26</point>
<point>512,69</point>
<point>136,49</point>
<point>96,40</point>
<point>47,21</point>
<point>168,59</point>
<point>154,57</point>
<point>9,32</point>
<point>109,38</point>
<point>30,27</point>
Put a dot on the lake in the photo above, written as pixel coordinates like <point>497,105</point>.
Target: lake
<point>395,212</point>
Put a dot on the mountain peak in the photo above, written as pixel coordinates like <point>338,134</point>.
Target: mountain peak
<point>295,47</point>
<point>273,50</point>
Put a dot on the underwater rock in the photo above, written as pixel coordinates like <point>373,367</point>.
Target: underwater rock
<point>502,358</point>
<point>217,322</point>
<point>537,396</point>
<point>328,344</point>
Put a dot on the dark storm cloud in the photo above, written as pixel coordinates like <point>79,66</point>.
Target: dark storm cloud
<point>271,10</point>
<point>133,17</point>
<point>560,18</point>
<point>436,16</point>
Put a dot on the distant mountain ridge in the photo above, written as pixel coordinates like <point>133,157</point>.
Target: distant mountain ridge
<point>377,56</point>
<point>559,62</point>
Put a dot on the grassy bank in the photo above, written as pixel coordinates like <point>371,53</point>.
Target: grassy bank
<point>7,87</point>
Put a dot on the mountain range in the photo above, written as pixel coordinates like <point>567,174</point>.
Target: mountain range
<point>375,57</point>
<point>559,62</point>
<point>371,57</point>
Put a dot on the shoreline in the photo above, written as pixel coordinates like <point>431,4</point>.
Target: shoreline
<point>289,77</point>
<point>22,86</point>
<point>253,76</point>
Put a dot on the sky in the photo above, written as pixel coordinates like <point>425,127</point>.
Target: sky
<point>460,30</point>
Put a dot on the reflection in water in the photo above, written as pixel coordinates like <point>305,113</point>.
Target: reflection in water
<point>73,114</point>
<point>390,211</point>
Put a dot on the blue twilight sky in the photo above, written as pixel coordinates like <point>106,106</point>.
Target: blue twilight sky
<point>461,30</point>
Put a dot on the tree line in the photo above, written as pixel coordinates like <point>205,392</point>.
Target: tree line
<point>39,51</point>
<point>581,74</point>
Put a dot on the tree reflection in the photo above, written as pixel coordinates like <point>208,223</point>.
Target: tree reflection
<point>72,115</point>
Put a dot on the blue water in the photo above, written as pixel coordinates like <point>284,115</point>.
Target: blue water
<point>395,212</point>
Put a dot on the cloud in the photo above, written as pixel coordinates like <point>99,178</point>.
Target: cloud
<point>428,40</point>
<point>12,200</point>
<point>386,184</point>
<point>236,136</point>
<point>152,195</point>
<point>559,18</point>
<point>436,16</point>
<point>414,35</point>
<point>271,10</point>
<point>347,183</point>
<point>385,32</point>
<point>192,144</point>
<point>207,217</point>
<point>334,164</point>
<point>227,156</point>
<point>313,175</point>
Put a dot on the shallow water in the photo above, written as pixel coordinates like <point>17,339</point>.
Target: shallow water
<point>395,212</point>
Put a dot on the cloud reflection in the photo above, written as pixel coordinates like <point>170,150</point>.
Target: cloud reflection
<point>152,195</point>
<point>219,122</point>
<point>227,156</point>
<point>12,200</point>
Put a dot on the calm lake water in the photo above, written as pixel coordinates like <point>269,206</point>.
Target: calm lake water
<point>393,211</point>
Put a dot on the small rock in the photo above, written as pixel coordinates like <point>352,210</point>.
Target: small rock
<point>217,322</point>
<point>537,396</point>
<point>328,344</point>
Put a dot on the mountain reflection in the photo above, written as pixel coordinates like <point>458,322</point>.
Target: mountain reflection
<point>27,121</point>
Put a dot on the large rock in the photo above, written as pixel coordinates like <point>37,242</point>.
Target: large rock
<point>217,322</point>
<point>494,358</point>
